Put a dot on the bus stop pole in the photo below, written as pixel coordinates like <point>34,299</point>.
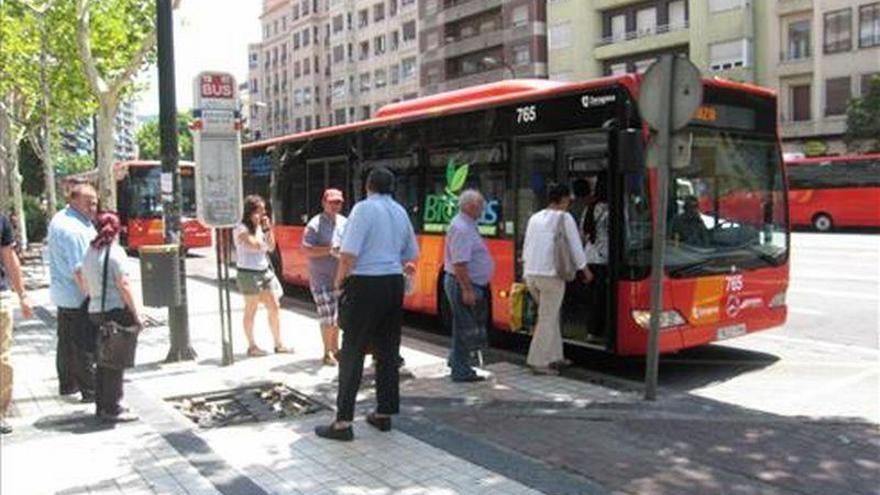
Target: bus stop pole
<point>658,249</point>
<point>178,317</point>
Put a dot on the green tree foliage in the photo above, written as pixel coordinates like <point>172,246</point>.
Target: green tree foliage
<point>863,120</point>
<point>148,139</point>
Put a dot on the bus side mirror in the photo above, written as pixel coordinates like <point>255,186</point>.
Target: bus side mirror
<point>630,151</point>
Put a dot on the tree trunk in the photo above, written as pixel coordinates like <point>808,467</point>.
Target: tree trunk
<point>106,122</point>
<point>48,165</point>
<point>13,180</point>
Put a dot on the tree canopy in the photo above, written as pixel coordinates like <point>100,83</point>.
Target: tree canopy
<point>148,139</point>
<point>863,120</point>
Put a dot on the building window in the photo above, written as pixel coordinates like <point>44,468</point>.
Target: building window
<point>378,12</point>
<point>677,15</point>
<point>865,82</point>
<point>306,36</point>
<point>559,36</point>
<point>618,27</point>
<point>729,54</point>
<point>646,21</point>
<point>837,95</point>
<point>408,68</point>
<point>521,55</point>
<point>799,40</point>
<point>305,7</point>
<point>395,40</point>
<point>617,69</point>
<point>379,78</point>
<point>838,31</point>
<point>296,70</point>
<point>379,44</point>
<point>338,53</point>
<point>869,25</point>
<point>298,124</point>
<point>469,66</point>
<point>339,116</point>
<point>722,5</point>
<point>307,66</point>
<point>295,12</point>
<point>363,17</point>
<point>521,15</point>
<point>297,97</point>
<point>308,121</point>
<point>432,40</point>
<point>404,3</point>
<point>364,50</point>
<point>339,88</point>
<point>409,31</point>
<point>800,103</point>
<point>307,96</point>
<point>394,73</point>
<point>338,24</point>
<point>365,82</point>
<point>392,8</point>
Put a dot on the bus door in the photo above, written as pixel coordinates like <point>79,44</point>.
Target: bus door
<point>584,309</point>
<point>536,166</point>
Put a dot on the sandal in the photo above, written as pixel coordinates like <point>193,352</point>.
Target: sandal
<point>283,350</point>
<point>255,352</point>
<point>561,364</point>
<point>330,360</point>
<point>541,370</point>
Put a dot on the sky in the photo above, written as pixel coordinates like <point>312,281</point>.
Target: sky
<point>208,35</point>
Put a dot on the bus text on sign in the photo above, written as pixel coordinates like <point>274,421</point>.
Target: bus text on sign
<point>217,86</point>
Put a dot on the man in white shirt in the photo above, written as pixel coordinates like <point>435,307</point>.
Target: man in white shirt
<point>545,284</point>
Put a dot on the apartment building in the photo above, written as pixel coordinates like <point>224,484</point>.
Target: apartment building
<point>468,42</point>
<point>373,56</point>
<point>821,54</point>
<point>593,38</point>
<point>327,62</point>
<point>80,140</point>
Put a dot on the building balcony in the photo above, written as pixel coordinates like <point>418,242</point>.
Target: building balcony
<point>460,10</point>
<point>663,37</point>
<point>785,7</point>
<point>464,46</point>
<point>794,66</point>
<point>828,126</point>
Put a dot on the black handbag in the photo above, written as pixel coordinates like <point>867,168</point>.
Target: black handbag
<point>117,343</point>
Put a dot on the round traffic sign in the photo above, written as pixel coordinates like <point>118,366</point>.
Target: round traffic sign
<point>687,92</point>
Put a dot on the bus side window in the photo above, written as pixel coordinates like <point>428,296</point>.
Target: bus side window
<point>293,194</point>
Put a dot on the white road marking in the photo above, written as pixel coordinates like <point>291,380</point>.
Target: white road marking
<point>866,351</point>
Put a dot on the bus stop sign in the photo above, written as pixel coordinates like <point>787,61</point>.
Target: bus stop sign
<point>217,148</point>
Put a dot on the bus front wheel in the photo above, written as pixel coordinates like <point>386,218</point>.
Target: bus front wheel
<point>822,222</point>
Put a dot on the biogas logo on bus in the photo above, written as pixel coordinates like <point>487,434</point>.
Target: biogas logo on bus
<point>590,101</point>
<point>440,209</point>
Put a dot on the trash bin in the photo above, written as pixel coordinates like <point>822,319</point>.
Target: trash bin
<point>160,275</point>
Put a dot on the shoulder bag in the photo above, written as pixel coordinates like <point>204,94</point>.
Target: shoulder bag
<point>563,259</point>
<point>116,342</point>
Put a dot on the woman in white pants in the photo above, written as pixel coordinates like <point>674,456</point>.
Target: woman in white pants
<point>544,282</point>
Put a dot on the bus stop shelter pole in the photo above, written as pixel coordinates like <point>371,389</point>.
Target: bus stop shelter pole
<point>658,249</point>
<point>178,317</point>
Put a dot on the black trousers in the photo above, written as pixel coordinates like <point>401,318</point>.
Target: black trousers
<point>75,364</point>
<point>109,381</point>
<point>371,310</point>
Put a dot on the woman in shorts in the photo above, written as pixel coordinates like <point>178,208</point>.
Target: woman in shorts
<point>256,280</point>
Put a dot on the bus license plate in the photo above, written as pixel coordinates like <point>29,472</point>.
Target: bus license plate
<point>731,331</point>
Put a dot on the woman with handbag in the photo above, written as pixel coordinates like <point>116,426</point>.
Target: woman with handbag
<point>552,256</point>
<point>112,308</point>
<point>256,280</point>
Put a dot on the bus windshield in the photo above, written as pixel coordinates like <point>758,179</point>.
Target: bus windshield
<point>726,210</point>
<point>144,194</point>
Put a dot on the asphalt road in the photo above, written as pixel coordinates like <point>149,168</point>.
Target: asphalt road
<point>825,362</point>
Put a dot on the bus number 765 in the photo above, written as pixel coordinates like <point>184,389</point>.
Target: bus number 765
<point>526,114</point>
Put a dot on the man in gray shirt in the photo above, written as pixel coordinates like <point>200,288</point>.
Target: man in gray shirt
<point>317,243</point>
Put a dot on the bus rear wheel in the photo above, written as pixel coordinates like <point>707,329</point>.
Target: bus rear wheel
<point>822,222</point>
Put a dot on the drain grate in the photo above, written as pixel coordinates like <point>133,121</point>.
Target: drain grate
<point>252,404</point>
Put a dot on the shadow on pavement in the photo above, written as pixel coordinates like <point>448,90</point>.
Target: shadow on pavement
<point>77,423</point>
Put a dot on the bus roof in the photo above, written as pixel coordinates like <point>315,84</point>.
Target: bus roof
<point>818,160</point>
<point>483,96</point>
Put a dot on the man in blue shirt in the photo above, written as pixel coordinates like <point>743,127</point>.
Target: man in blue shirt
<point>469,268</point>
<point>70,233</point>
<point>378,245</point>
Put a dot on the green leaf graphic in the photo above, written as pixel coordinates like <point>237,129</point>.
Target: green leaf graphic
<point>450,171</point>
<point>459,178</point>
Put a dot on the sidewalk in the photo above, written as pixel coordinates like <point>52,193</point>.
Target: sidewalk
<point>517,434</point>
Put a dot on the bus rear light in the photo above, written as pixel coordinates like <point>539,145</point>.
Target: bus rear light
<point>669,318</point>
<point>778,301</point>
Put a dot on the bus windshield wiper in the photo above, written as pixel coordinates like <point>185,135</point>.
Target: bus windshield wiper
<point>707,265</point>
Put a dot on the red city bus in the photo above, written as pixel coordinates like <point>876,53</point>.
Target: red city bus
<point>509,140</point>
<point>838,191</point>
<point>139,201</point>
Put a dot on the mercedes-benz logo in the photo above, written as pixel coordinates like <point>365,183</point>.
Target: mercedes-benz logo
<point>733,305</point>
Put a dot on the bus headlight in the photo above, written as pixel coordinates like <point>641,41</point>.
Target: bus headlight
<point>777,301</point>
<point>668,318</point>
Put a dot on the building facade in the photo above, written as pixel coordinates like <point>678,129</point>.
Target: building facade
<point>80,141</point>
<point>328,62</point>
<point>468,42</point>
<point>821,54</point>
<point>816,53</point>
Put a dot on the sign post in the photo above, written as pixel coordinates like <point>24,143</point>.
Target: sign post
<point>216,133</point>
<point>670,94</point>
<point>178,318</point>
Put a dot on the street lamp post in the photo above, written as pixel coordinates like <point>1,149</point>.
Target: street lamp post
<point>178,317</point>
<point>493,61</point>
